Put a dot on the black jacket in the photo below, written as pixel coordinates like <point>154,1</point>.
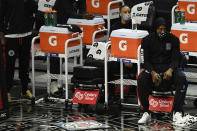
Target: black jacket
<point>160,55</point>
<point>119,25</point>
<point>65,9</point>
<point>16,16</point>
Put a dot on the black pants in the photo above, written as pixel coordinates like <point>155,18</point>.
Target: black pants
<point>145,87</point>
<point>18,48</point>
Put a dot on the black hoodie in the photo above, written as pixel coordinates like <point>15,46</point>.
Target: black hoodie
<point>65,10</point>
<point>16,16</point>
<point>160,54</point>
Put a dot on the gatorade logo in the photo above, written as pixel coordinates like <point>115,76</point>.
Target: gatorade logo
<point>95,3</point>
<point>139,8</point>
<point>53,40</point>
<point>184,38</point>
<point>191,9</point>
<point>123,45</point>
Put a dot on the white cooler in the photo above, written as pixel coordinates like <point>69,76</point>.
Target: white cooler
<point>89,27</point>
<point>187,35</point>
<point>52,39</point>
<point>125,42</point>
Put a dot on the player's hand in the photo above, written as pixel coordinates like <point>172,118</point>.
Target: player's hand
<point>168,74</point>
<point>155,76</point>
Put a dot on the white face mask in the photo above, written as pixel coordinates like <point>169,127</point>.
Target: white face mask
<point>126,17</point>
<point>162,35</point>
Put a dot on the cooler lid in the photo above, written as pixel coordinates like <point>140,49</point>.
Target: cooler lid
<point>95,21</point>
<point>185,27</point>
<point>188,0</point>
<point>51,29</point>
<point>128,33</point>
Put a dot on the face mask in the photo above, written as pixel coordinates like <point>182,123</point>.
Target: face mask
<point>126,17</point>
<point>162,35</point>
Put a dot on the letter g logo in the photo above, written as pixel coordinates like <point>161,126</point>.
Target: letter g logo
<point>53,40</point>
<point>191,9</point>
<point>184,38</point>
<point>95,3</point>
<point>123,45</point>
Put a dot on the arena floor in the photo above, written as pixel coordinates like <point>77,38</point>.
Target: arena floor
<point>44,116</point>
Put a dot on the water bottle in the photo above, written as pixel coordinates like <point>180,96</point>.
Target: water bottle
<point>177,15</point>
<point>46,18</point>
<point>54,18</point>
<point>182,19</point>
<point>134,22</point>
